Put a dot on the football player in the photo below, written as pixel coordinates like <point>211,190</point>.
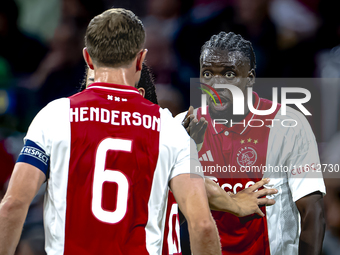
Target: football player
<point>227,58</point>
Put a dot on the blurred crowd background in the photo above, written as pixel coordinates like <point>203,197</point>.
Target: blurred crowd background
<point>41,59</point>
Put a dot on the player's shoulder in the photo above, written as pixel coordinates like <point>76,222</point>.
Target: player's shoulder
<point>171,128</point>
<point>290,113</point>
<point>168,118</point>
<point>50,119</point>
<point>281,114</point>
<point>292,123</point>
<point>180,117</point>
<point>292,118</point>
<point>55,108</point>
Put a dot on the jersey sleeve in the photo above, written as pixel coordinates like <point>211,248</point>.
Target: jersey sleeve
<point>187,161</point>
<point>38,140</point>
<point>178,147</point>
<point>304,177</point>
<point>180,117</point>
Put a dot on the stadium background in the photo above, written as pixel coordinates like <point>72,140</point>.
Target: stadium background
<point>41,59</point>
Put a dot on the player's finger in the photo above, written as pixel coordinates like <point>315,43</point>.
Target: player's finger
<point>203,129</point>
<point>265,192</point>
<point>189,128</point>
<point>186,123</point>
<point>186,119</point>
<point>259,212</point>
<point>270,202</point>
<point>258,185</point>
<point>265,201</point>
<point>193,122</point>
<point>190,111</point>
<point>200,124</point>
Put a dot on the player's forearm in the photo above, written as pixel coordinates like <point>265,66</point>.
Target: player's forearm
<point>204,238</point>
<point>312,229</point>
<point>223,203</point>
<point>312,234</point>
<point>219,200</point>
<point>12,217</point>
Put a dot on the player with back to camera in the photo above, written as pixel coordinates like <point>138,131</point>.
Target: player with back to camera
<point>229,59</point>
<point>107,138</point>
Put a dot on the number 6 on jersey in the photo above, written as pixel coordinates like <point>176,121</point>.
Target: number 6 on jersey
<point>102,175</point>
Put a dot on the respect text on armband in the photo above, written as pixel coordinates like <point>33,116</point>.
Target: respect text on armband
<point>35,153</point>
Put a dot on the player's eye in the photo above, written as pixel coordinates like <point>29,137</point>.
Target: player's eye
<point>207,75</point>
<point>230,75</point>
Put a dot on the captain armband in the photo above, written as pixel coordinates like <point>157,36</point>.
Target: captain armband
<point>34,155</point>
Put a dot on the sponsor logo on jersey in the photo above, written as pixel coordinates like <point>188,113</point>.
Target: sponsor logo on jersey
<point>233,188</point>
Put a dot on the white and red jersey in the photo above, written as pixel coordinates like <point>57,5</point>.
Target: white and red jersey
<point>172,243</point>
<point>271,145</point>
<point>111,155</point>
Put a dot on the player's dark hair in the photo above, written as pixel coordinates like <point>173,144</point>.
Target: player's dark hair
<point>114,38</point>
<point>231,42</point>
<point>146,81</point>
<point>83,83</point>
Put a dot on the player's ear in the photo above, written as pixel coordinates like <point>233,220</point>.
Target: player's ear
<point>140,59</point>
<point>251,77</point>
<point>87,58</point>
<point>141,91</point>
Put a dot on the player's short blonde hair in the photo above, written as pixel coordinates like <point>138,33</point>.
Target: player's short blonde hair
<point>114,37</point>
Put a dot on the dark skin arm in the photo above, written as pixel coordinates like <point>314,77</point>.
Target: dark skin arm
<point>311,208</point>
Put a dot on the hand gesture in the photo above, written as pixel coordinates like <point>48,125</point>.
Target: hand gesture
<point>244,203</point>
<point>196,129</point>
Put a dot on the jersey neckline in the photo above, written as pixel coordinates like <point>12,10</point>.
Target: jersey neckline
<point>112,86</point>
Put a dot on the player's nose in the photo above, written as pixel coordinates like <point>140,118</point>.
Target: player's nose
<point>219,81</point>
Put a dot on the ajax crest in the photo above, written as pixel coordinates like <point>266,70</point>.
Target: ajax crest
<point>246,156</point>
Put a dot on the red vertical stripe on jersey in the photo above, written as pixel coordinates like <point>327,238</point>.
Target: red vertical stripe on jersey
<point>173,221</point>
<point>84,232</point>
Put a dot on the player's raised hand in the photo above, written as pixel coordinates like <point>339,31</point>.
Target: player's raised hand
<point>195,128</point>
<point>244,203</point>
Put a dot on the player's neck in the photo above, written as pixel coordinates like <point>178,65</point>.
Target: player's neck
<point>121,76</point>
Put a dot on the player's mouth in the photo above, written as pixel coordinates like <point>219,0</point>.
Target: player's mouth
<point>218,107</point>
